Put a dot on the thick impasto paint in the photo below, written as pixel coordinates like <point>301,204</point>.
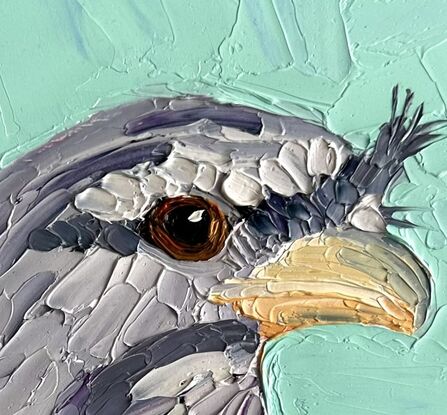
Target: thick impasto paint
<point>231,210</point>
<point>150,253</point>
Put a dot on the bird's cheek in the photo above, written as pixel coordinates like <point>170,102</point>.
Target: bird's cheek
<point>336,277</point>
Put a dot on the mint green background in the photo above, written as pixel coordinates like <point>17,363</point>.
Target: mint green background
<point>324,60</point>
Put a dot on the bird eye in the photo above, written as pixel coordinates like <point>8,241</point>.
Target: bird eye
<point>187,227</point>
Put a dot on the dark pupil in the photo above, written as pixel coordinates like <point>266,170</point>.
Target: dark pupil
<point>180,227</point>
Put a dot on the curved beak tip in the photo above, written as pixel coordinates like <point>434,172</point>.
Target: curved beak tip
<point>337,277</point>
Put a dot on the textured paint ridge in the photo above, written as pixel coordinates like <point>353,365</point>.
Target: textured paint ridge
<point>357,370</point>
<point>333,278</point>
<point>269,55</point>
<point>100,238</point>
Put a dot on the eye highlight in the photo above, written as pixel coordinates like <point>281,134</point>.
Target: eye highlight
<point>187,227</point>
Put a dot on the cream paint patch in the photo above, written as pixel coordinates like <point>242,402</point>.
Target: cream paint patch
<point>323,158</point>
<point>241,189</point>
<point>333,278</point>
<point>207,175</point>
<point>366,215</point>
<point>296,169</point>
<point>180,170</point>
<point>272,175</point>
<point>293,158</point>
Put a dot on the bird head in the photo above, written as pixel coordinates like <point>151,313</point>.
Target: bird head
<point>163,214</point>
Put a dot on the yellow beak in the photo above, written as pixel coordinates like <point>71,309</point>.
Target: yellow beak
<point>336,277</point>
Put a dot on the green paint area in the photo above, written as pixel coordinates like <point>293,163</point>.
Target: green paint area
<point>333,62</point>
<point>354,370</point>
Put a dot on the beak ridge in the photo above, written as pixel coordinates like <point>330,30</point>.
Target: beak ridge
<point>333,278</point>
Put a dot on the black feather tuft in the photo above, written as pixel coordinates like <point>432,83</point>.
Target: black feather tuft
<point>389,211</point>
<point>372,172</point>
<point>401,137</point>
<point>400,223</point>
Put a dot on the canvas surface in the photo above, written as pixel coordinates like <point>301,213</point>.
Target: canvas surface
<point>331,63</point>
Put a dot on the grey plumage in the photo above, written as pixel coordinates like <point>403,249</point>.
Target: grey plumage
<point>97,311</point>
<point>108,391</point>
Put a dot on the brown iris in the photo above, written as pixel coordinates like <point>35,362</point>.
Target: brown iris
<point>187,227</point>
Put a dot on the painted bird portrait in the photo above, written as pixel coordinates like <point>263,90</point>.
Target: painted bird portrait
<point>148,254</point>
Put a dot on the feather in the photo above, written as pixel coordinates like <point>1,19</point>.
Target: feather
<point>372,172</point>
<point>401,137</point>
<point>388,211</point>
<point>400,223</point>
